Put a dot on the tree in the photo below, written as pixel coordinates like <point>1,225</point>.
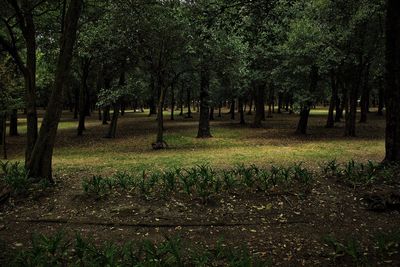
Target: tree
<point>40,162</point>
<point>392,81</point>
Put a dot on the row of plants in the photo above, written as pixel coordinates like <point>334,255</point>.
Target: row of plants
<point>57,250</point>
<point>15,176</point>
<point>358,174</point>
<point>204,181</point>
<point>386,247</point>
<point>201,181</point>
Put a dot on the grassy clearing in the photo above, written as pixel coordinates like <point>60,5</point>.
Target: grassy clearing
<point>231,144</point>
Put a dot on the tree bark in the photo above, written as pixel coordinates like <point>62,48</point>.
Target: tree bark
<point>189,113</point>
<point>152,101</point>
<point>381,103</point>
<point>241,111</point>
<point>305,109</point>
<point>204,120</point>
<point>83,92</point>
<point>351,112</point>
<point>392,87</point>
<point>232,109</point>
<point>365,97</point>
<point>112,130</point>
<point>40,163</point>
<point>14,123</point>
<point>3,143</point>
<point>303,122</point>
<point>259,103</point>
<point>172,101</point>
<point>332,104</point>
<point>160,143</point>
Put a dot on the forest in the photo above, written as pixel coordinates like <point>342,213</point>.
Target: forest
<point>199,133</point>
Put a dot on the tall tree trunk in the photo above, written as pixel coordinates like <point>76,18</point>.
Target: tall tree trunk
<point>250,112</point>
<point>332,104</point>
<point>112,130</point>
<point>381,97</point>
<point>85,65</point>
<point>259,103</point>
<point>172,102</point>
<point>305,109</point>
<point>3,143</point>
<point>338,109</point>
<point>14,123</point>
<point>365,97</point>
<point>204,120</point>
<point>76,104</point>
<point>303,122</point>
<point>29,33</point>
<point>181,102</point>
<point>232,109</point>
<point>351,112</point>
<point>392,88</point>
<point>220,110</point>
<point>152,101</point>
<point>160,143</point>
<point>280,102</point>
<point>241,111</point>
<point>212,113</point>
<point>40,163</point>
<point>189,113</point>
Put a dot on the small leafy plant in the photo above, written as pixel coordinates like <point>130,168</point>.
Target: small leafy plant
<point>16,177</point>
<point>97,186</point>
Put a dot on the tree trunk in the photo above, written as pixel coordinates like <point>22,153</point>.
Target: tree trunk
<point>76,104</point>
<point>332,104</point>
<point>40,163</point>
<point>172,102</point>
<point>85,65</point>
<point>305,109</point>
<point>112,130</point>
<point>14,123</point>
<point>259,103</point>
<point>152,101</point>
<point>181,99</point>
<point>189,113</point>
<point>365,97</point>
<point>241,111</point>
<point>381,99</point>
<point>160,143</point>
<point>212,113</point>
<point>3,143</point>
<point>232,109</point>
<point>29,33</point>
<point>280,102</point>
<point>351,112</point>
<point>204,120</point>
<point>303,122</point>
<point>392,88</point>
<point>250,112</point>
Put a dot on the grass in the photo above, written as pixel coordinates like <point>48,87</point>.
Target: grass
<point>231,144</point>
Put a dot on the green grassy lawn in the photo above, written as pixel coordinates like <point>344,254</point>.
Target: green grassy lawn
<point>231,143</point>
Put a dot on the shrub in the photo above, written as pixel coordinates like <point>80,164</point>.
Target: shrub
<point>97,186</point>
<point>16,177</point>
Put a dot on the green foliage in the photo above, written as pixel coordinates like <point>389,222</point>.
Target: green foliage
<point>97,186</point>
<point>57,250</point>
<point>388,244</point>
<point>16,177</point>
<point>350,248</point>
